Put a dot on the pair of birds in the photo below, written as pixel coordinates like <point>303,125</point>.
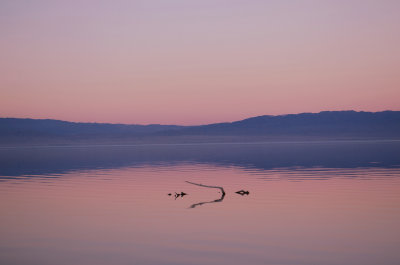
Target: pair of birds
<point>178,194</point>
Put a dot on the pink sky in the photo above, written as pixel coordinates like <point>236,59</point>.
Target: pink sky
<point>196,62</point>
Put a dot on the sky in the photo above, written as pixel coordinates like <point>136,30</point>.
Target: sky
<point>196,62</point>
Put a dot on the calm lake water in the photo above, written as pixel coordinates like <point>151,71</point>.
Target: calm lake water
<point>308,203</point>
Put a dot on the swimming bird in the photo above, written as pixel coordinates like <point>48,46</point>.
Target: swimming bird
<point>180,194</point>
<point>243,192</point>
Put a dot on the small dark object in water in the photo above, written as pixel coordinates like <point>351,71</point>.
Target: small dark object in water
<point>243,192</point>
<point>169,194</point>
<point>180,194</point>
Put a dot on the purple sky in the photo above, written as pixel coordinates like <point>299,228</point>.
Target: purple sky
<point>196,62</point>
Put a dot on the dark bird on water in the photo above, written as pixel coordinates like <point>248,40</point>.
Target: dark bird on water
<point>243,192</point>
<point>180,194</point>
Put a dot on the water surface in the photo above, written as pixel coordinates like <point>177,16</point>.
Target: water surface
<point>309,203</point>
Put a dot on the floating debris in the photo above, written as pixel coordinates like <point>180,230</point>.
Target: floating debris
<point>207,186</point>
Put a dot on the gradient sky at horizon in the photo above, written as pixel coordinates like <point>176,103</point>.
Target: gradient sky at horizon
<point>196,62</point>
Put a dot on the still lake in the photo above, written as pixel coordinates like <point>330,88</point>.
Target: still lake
<point>325,203</point>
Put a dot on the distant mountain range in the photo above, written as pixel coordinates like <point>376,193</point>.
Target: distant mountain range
<point>326,124</point>
<point>322,123</point>
<point>49,128</point>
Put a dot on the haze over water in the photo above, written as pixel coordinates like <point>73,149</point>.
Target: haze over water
<point>309,203</point>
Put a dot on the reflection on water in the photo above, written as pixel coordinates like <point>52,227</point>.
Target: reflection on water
<point>222,191</point>
<point>309,203</point>
<point>40,161</point>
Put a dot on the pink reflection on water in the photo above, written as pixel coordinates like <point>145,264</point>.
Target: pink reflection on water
<point>124,216</point>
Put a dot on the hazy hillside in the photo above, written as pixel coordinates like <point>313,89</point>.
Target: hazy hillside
<point>328,124</point>
<point>51,128</point>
